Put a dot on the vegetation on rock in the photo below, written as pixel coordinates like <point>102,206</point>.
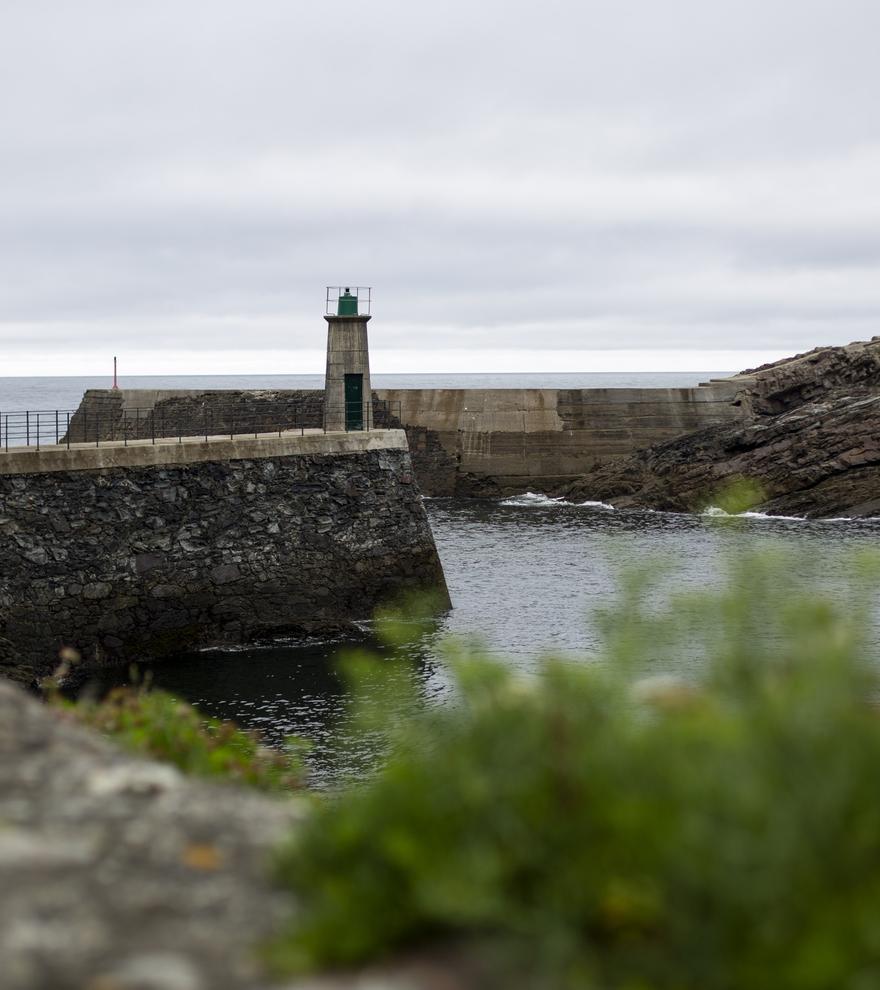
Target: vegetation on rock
<point>590,827</point>
<point>163,727</point>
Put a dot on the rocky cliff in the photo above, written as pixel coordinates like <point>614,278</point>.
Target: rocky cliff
<point>809,440</point>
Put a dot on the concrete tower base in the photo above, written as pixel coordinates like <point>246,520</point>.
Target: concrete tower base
<point>348,395</point>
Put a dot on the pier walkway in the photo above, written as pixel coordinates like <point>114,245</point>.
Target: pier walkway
<point>95,455</point>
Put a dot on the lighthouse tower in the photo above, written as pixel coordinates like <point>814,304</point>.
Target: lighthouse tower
<point>347,393</point>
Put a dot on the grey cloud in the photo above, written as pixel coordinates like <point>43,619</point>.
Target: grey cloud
<point>682,173</point>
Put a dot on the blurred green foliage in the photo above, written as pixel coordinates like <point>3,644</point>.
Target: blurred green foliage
<point>737,495</point>
<point>161,726</point>
<point>584,828</point>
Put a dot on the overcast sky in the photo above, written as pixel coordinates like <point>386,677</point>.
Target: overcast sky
<point>566,185</point>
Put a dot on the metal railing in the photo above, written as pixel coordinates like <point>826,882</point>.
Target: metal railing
<point>172,423</point>
<point>370,415</point>
<point>34,427</point>
<point>362,294</point>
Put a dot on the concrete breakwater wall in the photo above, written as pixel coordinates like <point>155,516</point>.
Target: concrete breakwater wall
<point>494,442</point>
<point>462,441</point>
<point>143,551</point>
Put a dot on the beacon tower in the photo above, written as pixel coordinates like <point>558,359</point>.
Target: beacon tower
<point>347,394</point>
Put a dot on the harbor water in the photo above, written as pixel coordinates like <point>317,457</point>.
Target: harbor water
<point>525,576</point>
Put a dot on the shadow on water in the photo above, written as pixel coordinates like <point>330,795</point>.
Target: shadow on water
<point>524,576</point>
<point>280,689</point>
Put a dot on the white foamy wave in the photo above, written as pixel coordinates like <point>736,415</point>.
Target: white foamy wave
<point>535,500</point>
<point>716,512</point>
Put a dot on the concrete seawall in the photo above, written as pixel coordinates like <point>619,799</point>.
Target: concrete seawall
<point>143,551</point>
<point>504,441</point>
<point>462,441</point>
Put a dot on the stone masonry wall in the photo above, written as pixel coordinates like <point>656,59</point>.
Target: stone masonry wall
<point>146,561</point>
<point>132,414</point>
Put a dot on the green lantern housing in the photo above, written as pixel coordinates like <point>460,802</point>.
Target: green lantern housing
<point>347,304</point>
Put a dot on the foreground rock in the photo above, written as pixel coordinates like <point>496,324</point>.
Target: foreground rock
<point>121,874</point>
<point>118,873</point>
<point>809,439</point>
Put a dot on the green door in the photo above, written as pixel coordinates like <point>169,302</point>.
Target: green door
<point>354,402</point>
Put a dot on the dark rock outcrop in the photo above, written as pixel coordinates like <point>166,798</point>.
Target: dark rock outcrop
<point>810,441</point>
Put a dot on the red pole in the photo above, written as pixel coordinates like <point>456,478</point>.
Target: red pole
<point>115,385</point>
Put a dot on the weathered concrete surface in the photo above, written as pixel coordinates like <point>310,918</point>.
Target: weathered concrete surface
<point>194,450</point>
<point>504,441</point>
<point>142,552</point>
<point>348,353</point>
<point>811,442</point>
<point>121,874</point>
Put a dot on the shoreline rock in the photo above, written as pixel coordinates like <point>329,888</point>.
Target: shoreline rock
<point>810,441</point>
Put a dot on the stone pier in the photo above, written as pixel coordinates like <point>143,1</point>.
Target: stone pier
<point>149,550</point>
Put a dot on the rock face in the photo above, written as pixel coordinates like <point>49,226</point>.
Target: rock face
<point>121,874</point>
<point>146,561</point>
<point>810,440</point>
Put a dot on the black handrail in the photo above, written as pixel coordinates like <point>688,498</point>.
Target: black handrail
<point>37,428</point>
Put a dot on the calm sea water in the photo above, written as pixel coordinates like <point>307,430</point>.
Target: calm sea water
<point>524,576</point>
